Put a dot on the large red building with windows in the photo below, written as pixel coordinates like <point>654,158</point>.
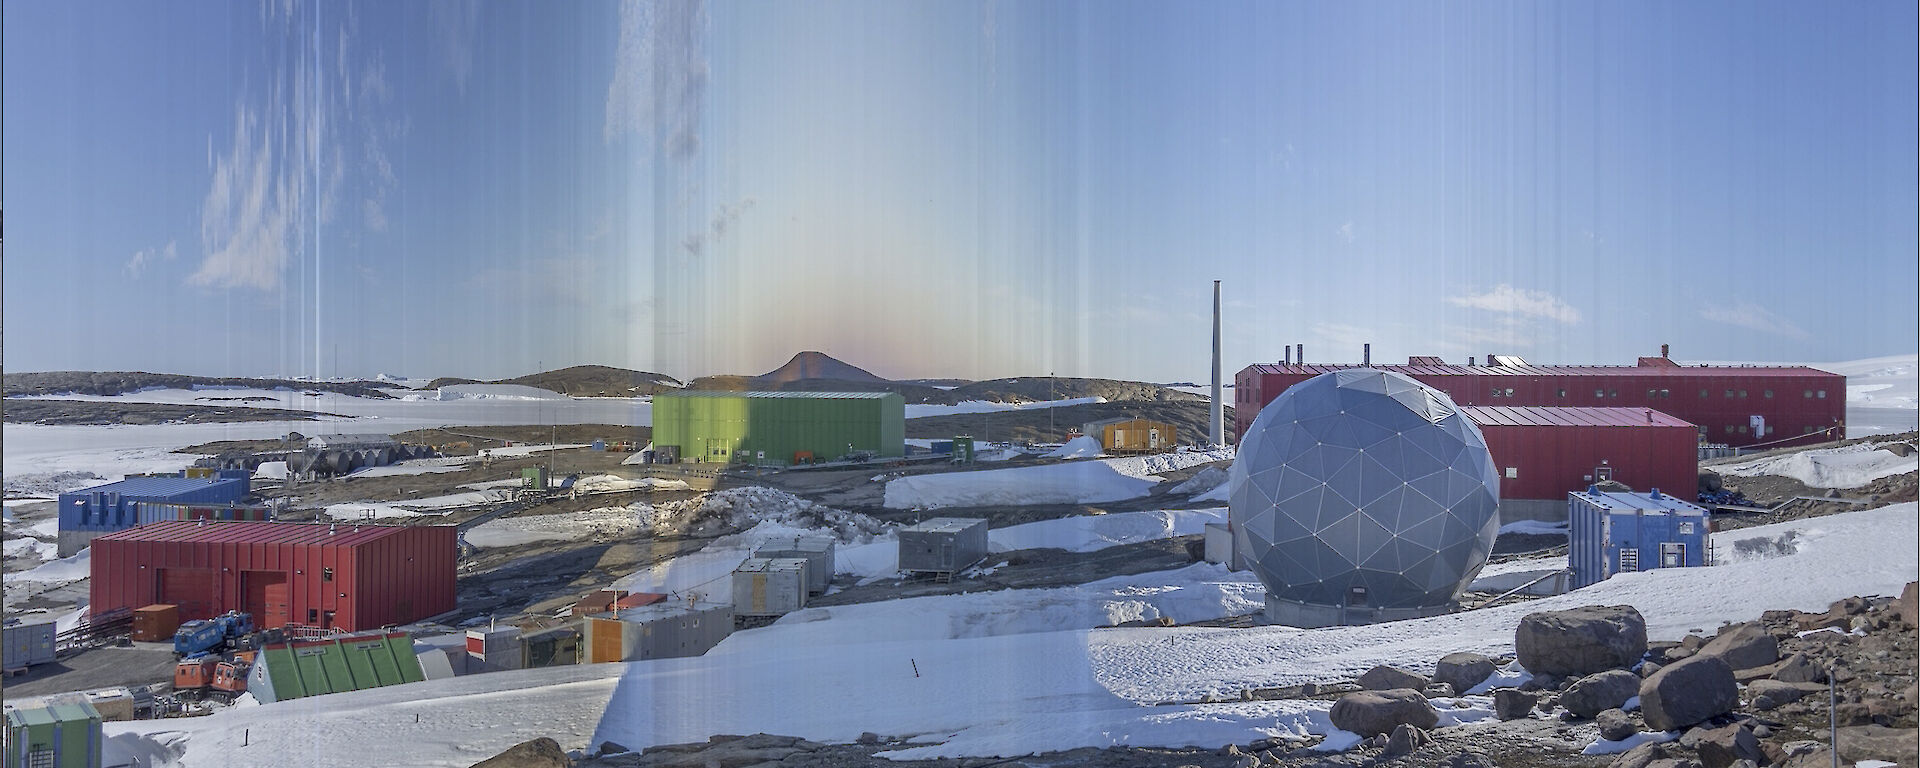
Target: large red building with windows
<point>1798,405</point>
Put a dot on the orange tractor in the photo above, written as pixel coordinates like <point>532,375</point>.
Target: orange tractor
<point>210,677</point>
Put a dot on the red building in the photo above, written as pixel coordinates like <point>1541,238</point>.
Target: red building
<point>1543,453</point>
<point>351,577</point>
<point>1800,405</point>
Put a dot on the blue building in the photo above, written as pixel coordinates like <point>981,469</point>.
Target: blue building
<point>113,507</point>
<point>1615,532</point>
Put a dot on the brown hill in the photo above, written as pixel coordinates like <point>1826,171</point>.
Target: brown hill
<point>817,365</point>
<point>583,381</point>
<point>913,393</point>
<point>1028,389</point>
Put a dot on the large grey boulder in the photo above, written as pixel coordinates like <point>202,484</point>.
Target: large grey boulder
<point>1385,678</point>
<point>1405,739</point>
<point>1744,646</point>
<point>1688,692</point>
<point>1615,725</point>
<point>1767,694</point>
<point>1799,669</point>
<point>538,753</point>
<point>1463,670</point>
<point>1722,747</point>
<point>1513,703</point>
<point>1878,742</point>
<point>1597,693</point>
<point>1581,641</point>
<point>1373,713</point>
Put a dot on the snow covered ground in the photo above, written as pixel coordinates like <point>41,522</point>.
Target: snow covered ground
<point>572,526</point>
<point>1095,532</point>
<point>1849,466</point>
<point>1078,482</point>
<point>915,411</point>
<point>1005,694</point>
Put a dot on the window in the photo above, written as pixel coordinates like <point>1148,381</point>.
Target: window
<point>1513,473</point>
<point>1614,393</point>
<point>1729,429</point>
<point>1767,393</point>
<point>1743,393</point>
<point>1809,393</point>
<point>1729,393</point>
<point>1652,393</point>
<point>1821,395</point>
<point>1495,392</point>
<point>1703,394</point>
<point>1563,391</point>
<point>1665,393</point>
<point>1509,391</point>
<point>1743,429</point>
<point>326,574</point>
<point>1599,393</point>
<point>1769,429</point>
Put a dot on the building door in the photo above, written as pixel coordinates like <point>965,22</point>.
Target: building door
<point>265,592</point>
<point>192,589</point>
<point>1153,439</point>
<point>1673,554</point>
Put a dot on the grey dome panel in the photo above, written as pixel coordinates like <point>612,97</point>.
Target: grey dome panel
<point>1364,478</point>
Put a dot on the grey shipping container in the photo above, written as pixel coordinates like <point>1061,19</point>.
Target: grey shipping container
<point>658,631</point>
<point>770,586</point>
<point>816,550</point>
<point>27,644</point>
<point>943,545</point>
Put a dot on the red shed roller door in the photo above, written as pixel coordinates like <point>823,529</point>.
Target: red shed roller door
<point>191,589</point>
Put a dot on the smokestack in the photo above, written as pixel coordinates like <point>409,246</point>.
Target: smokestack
<point>1469,361</point>
<point>1286,355</point>
<point>1663,350</point>
<point>1366,355</point>
<point>1216,418</point>
<point>1300,354</point>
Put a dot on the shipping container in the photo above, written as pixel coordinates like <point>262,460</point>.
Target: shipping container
<point>659,631</point>
<point>495,650</point>
<point>27,644</point>
<point>1617,532</point>
<point>351,577</point>
<point>765,586</point>
<point>816,550</point>
<point>1796,405</point>
<point>305,668</point>
<point>943,546</point>
<point>712,426</point>
<point>56,736</point>
<point>157,623</point>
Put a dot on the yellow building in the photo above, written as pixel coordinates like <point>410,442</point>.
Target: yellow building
<point>1132,435</point>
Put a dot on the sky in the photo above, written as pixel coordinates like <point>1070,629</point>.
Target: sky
<point>955,189</point>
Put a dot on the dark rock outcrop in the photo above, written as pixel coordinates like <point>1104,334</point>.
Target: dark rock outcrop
<point>1374,713</point>
<point>1581,641</point>
<point>1688,692</point>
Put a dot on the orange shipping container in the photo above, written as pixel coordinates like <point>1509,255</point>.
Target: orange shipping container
<point>155,623</point>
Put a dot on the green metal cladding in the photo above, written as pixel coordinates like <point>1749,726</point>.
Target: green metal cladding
<point>713,426</point>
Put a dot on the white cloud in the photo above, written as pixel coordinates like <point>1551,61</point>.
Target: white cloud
<point>138,264</point>
<point>455,24</point>
<point>1519,302</point>
<point>1346,231</point>
<point>1343,336</point>
<point>250,222</point>
<point>1755,317</point>
<point>660,74</point>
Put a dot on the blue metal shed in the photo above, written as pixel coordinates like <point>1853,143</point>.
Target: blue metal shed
<point>116,506</point>
<point>1615,532</point>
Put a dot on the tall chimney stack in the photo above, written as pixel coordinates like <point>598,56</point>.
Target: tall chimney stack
<point>1286,355</point>
<point>1216,417</point>
<point>1366,355</point>
<point>1299,354</point>
<point>1663,350</point>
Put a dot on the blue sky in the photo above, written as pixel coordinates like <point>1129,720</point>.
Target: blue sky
<point>952,189</point>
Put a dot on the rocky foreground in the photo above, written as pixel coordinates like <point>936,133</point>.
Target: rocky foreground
<point>1752,694</point>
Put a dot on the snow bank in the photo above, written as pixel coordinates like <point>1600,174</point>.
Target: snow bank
<point>1534,528</point>
<point>916,411</point>
<point>602,523</point>
<point>613,483</point>
<point>75,568</point>
<point>402,469</point>
<point>490,392</point>
<point>23,546</point>
<point>1080,482</point>
<point>271,470</point>
<point>1081,447</point>
<point>1204,481</point>
<point>1848,466</point>
<point>1091,533</point>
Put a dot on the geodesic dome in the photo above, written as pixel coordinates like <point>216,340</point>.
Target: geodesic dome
<point>1364,489</point>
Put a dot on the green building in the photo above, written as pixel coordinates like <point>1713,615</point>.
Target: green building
<point>778,427</point>
<point>331,665</point>
<point>56,736</point>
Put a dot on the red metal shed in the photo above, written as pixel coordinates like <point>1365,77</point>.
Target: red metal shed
<point>1544,453</point>
<point>354,577</point>
<point>1800,405</point>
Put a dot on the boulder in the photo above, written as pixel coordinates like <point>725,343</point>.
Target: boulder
<point>1513,703</point>
<point>1722,747</point>
<point>1385,678</point>
<point>538,753</point>
<point>1373,713</point>
<point>1581,641</point>
<point>1744,646</point>
<point>1647,668</point>
<point>1644,756</point>
<point>1878,742</point>
<point>1907,608</point>
<point>1615,725</point>
<point>1688,692</point>
<point>1439,691</point>
<point>1463,671</point>
<point>1593,694</point>
<point>1777,693</point>
<point>1405,739</point>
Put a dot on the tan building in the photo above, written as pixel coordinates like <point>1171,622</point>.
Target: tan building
<point>1132,435</point>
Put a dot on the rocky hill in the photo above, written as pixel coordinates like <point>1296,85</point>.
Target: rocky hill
<point>107,383</point>
<point>1037,388</point>
<point>584,381</point>
<point>817,365</point>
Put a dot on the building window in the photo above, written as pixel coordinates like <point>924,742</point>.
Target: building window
<point>1729,429</point>
<point>1822,394</point>
<point>1652,393</point>
<point>1495,392</point>
<point>1599,393</point>
<point>1743,429</point>
<point>1769,429</point>
<point>1513,473</point>
<point>1703,394</point>
<point>1809,393</point>
<point>1665,393</point>
<point>1729,393</point>
<point>1563,392</point>
<point>1613,393</point>
<point>1743,393</point>
<point>326,574</point>
<point>1767,393</point>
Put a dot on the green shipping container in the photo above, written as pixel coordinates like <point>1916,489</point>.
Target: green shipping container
<point>347,663</point>
<point>776,427</point>
<point>58,736</point>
